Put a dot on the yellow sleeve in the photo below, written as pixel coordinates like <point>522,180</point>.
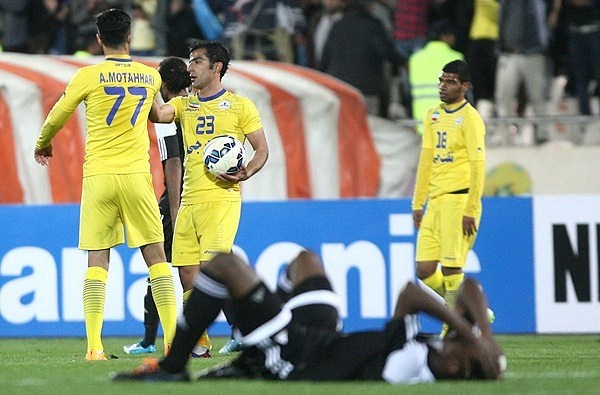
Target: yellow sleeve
<point>59,114</point>
<point>250,121</point>
<point>476,188</point>
<point>55,120</point>
<point>476,150</point>
<point>176,103</point>
<point>423,177</point>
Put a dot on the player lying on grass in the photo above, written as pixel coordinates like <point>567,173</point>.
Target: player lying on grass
<point>293,334</point>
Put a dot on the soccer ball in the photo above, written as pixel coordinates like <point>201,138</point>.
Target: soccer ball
<point>224,155</point>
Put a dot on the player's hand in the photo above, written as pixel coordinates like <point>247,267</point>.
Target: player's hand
<point>242,175</point>
<point>417,218</point>
<point>469,227</point>
<point>491,358</point>
<point>41,155</point>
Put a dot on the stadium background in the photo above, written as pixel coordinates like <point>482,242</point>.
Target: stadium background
<point>337,182</point>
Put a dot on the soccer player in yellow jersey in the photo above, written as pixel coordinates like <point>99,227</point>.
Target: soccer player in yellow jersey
<point>117,186</point>
<point>210,208</point>
<point>450,178</point>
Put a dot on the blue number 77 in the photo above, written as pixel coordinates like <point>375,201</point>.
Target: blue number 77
<point>119,91</point>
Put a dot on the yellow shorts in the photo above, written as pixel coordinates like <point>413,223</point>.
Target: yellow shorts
<point>440,236</point>
<point>111,201</point>
<point>203,230</point>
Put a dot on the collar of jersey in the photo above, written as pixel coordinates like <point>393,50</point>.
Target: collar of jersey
<point>222,92</point>
<point>451,110</point>
<point>119,58</point>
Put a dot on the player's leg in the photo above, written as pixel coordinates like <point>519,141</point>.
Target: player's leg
<point>223,277</point>
<point>428,249</point>
<point>100,229</point>
<point>218,226</point>
<point>204,344</point>
<point>163,290</point>
<point>312,302</point>
<point>151,321</point>
<point>144,229</point>
<point>94,299</point>
<point>454,244</point>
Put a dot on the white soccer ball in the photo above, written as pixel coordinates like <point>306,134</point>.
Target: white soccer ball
<point>224,155</point>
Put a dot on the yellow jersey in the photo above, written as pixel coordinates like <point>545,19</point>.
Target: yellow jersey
<point>202,119</point>
<point>454,136</point>
<point>118,94</point>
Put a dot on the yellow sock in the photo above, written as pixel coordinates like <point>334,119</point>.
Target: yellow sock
<point>436,282</point>
<point>163,291</point>
<point>94,297</point>
<point>186,296</point>
<point>452,284</point>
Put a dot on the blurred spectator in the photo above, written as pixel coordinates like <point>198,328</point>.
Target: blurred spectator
<point>481,54</point>
<point>460,13</point>
<point>425,66</point>
<point>87,44</point>
<point>182,28</point>
<point>143,37</point>
<point>15,25</point>
<point>411,21</point>
<point>355,52</point>
<point>265,29</point>
<point>524,37</point>
<point>583,31</point>
<point>47,26</point>
<point>83,12</point>
<point>331,11</point>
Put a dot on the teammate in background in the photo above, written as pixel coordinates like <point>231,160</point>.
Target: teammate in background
<point>175,82</point>
<point>450,177</point>
<point>117,186</point>
<point>299,340</point>
<point>210,210</point>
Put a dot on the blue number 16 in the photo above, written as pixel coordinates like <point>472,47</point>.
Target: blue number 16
<point>119,91</point>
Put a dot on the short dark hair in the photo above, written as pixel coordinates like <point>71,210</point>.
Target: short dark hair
<point>215,51</point>
<point>113,27</point>
<point>460,68</point>
<point>174,74</point>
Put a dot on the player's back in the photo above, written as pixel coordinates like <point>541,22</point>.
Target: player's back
<point>118,94</point>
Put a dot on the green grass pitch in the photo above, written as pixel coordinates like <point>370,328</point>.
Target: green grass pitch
<point>537,364</point>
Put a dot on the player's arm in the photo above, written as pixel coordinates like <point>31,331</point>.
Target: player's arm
<point>423,178</point>
<point>58,116</point>
<point>472,303</point>
<point>161,113</point>
<point>173,174</point>
<point>476,151</point>
<point>261,153</point>
<point>413,300</point>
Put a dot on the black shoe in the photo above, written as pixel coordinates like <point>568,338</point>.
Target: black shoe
<point>150,370</point>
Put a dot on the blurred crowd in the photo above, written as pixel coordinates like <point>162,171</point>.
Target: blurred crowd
<point>520,51</point>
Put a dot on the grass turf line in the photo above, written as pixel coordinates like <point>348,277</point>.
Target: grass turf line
<point>537,365</point>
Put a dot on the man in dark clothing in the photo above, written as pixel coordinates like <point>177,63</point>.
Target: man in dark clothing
<point>293,334</point>
<point>356,51</point>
